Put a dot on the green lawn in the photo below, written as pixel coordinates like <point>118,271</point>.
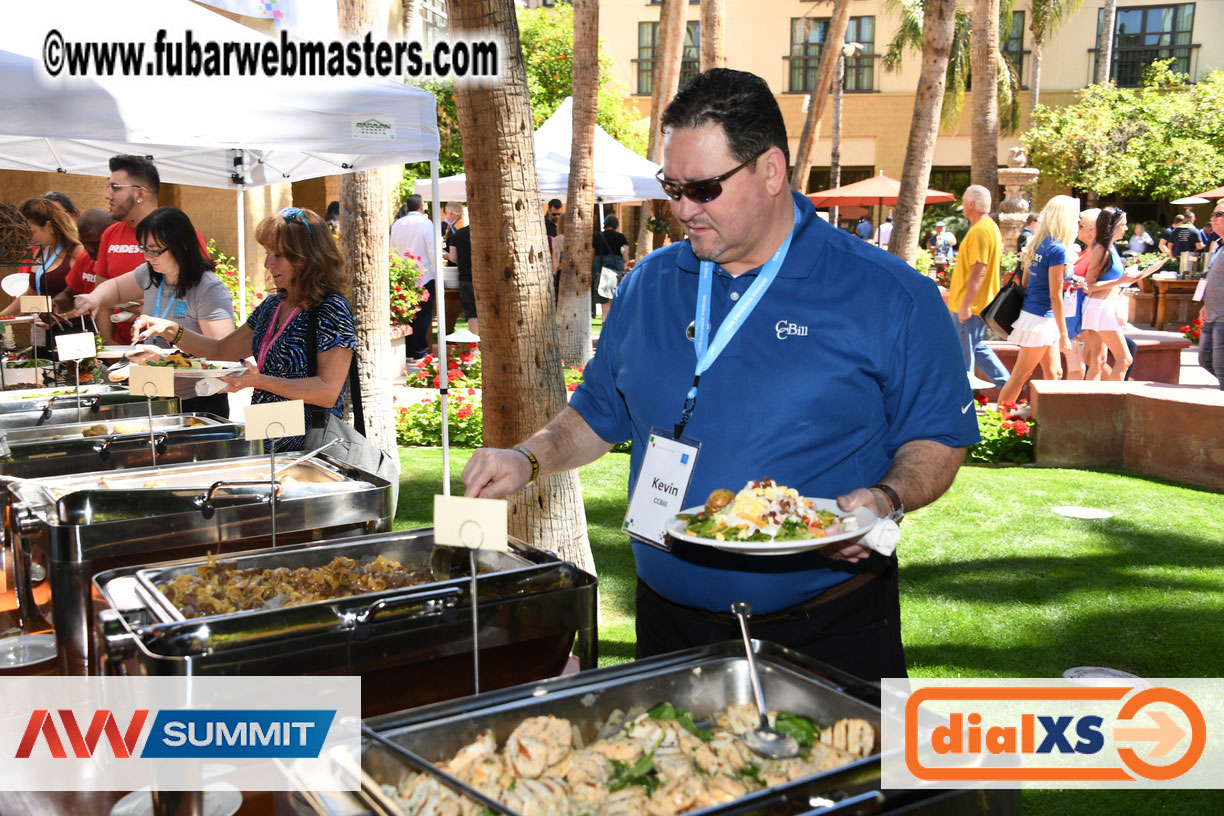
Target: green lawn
<point>993,584</point>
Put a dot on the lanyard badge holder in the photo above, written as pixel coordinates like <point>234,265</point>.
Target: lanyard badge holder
<point>667,466</point>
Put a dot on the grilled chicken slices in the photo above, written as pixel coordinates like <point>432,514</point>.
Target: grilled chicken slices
<point>649,767</point>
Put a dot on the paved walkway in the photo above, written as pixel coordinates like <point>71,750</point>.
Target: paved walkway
<point>1194,374</point>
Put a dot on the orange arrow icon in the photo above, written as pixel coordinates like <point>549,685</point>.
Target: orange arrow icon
<point>1167,734</point>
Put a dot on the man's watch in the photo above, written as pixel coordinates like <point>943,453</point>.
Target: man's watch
<point>898,509</point>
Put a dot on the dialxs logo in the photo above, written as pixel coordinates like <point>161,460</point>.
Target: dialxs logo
<point>180,734</point>
<point>1045,734</point>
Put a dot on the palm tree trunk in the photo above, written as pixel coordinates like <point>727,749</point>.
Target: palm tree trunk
<point>713,37</point>
<point>839,79</point>
<point>574,293</point>
<point>984,59</point>
<point>830,51</point>
<point>1035,81</point>
<point>522,382</point>
<point>938,17</point>
<point>364,245</point>
<point>1105,42</point>
<point>669,52</point>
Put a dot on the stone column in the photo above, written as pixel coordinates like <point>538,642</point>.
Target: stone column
<point>1014,208</point>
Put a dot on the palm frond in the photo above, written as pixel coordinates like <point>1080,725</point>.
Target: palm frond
<point>909,32</point>
<point>958,72</point>
<point>1009,98</point>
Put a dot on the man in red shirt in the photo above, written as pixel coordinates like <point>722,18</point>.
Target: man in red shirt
<point>131,194</point>
<point>81,278</point>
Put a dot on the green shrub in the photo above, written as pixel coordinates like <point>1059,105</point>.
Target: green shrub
<point>420,424</point>
<point>1007,435</point>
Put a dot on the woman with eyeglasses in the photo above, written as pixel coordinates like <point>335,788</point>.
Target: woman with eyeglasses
<point>1041,329</point>
<point>176,282</point>
<point>55,247</point>
<point>1104,276</point>
<point>307,272</point>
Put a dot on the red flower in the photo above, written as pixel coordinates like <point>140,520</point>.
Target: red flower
<point>1009,405</point>
<point>464,412</point>
<point>980,398</point>
<point>437,382</point>
<point>572,387</point>
<point>421,375</point>
<point>452,364</point>
<point>453,374</point>
<point>471,391</point>
<point>1021,429</point>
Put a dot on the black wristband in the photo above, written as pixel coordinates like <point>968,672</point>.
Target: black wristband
<point>898,509</point>
<point>535,463</point>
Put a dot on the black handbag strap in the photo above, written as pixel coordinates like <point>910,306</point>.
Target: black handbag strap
<point>312,369</point>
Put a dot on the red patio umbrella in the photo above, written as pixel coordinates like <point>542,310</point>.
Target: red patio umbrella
<point>876,190</point>
<point>1216,193</point>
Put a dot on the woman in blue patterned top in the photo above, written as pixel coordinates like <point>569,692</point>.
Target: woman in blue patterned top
<point>308,274</point>
<point>1041,330</point>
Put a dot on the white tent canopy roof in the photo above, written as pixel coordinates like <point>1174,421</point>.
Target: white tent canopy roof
<point>620,174</point>
<point>282,128</point>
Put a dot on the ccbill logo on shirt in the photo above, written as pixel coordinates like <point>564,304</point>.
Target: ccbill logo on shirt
<point>785,329</point>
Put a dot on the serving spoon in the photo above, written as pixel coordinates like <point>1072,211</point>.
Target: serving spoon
<point>764,740</point>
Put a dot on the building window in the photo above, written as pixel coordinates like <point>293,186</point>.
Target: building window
<point>1013,46</point>
<point>952,180</point>
<point>807,38</point>
<point>1145,34</point>
<point>819,177</point>
<point>648,37</point>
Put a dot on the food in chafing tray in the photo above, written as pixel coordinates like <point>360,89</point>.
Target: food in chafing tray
<point>764,511</point>
<point>216,589</point>
<point>658,763</point>
<point>182,362</point>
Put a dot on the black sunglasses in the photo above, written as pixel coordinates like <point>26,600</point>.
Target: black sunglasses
<point>1218,214</point>
<point>704,191</point>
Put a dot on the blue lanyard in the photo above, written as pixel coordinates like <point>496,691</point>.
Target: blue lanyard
<point>707,349</point>
<point>157,309</point>
<point>41,276</point>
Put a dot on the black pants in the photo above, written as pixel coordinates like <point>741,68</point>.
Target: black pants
<point>859,633</point>
<point>417,343</point>
<point>217,404</point>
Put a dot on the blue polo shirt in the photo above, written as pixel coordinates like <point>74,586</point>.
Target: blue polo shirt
<point>1037,293</point>
<point>849,355</point>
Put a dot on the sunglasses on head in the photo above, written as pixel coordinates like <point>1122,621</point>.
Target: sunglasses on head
<point>704,191</point>
<point>295,214</point>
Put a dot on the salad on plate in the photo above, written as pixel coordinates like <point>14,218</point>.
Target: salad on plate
<point>765,511</point>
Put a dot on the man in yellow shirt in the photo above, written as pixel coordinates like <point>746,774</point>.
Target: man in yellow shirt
<point>975,282</point>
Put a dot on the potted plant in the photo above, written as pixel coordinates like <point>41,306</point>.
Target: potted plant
<point>407,295</point>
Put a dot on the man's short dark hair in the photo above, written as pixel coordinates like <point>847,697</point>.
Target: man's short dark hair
<point>1033,218</point>
<point>612,222</point>
<point>414,203</point>
<point>140,170</point>
<point>555,204</point>
<point>1179,218</point>
<point>738,101</point>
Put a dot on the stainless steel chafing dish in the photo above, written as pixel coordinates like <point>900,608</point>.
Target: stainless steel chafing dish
<point>29,409</point>
<point>83,524</point>
<point>410,646</point>
<point>107,444</point>
<point>700,680</point>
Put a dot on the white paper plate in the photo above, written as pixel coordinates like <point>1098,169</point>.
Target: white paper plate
<point>866,519</point>
<point>22,318</point>
<point>119,352</point>
<point>227,367</point>
<point>15,284</point>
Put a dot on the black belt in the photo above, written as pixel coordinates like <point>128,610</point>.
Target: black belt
<point>877,568</point>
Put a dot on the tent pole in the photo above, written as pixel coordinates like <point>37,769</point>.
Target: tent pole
<point>440,298</point>
<point>242,301</point>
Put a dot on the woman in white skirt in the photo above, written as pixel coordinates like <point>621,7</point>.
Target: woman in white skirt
<point>1104,276</point>
<point>1041,330</point>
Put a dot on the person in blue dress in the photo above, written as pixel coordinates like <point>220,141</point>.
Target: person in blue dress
<point>1041,329</point>
<point>307,272</point>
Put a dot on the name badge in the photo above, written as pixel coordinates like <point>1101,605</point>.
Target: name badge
<point>180,308</point>
<point>662,484</point>
<point>1200,290</point>
<point>1070,303</point>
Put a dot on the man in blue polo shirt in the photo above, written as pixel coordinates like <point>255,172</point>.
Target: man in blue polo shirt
<point>844,378</point>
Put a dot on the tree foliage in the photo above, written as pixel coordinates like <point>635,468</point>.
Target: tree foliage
<point>1163,140</point>
<point>547,36</point>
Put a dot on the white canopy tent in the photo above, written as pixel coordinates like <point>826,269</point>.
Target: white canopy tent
<point>620,174</point>
<point>227,132</point>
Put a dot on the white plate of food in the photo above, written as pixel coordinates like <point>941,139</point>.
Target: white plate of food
<point>208,368</point>
<point>21,318</point>
<point>119,352</point>
<point>772,511</point>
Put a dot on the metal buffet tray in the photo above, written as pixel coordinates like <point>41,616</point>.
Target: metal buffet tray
<point>31,453</point>
<point>699,680</point>
<point>61,408</point>
<point>82,524</point>
<point>410,645</point>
